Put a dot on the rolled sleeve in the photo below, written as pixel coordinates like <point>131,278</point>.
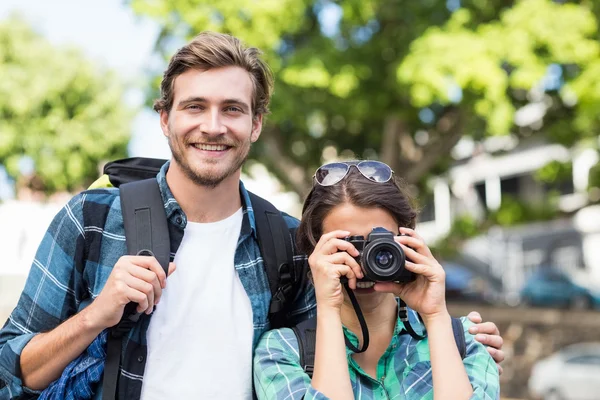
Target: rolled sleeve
<point>11,386</point>
<point>49,296</point>
<point>481,368</point>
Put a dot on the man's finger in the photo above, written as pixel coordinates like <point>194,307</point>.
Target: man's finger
<point>488,328</point>
<point>494,341</point>
<point>153,265</point>
<point>497,355</point>
<point>475,317</point>
<point>172,268</point>
<point>148,289</point>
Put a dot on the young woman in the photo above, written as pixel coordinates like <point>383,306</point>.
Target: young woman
<point>350,199</point>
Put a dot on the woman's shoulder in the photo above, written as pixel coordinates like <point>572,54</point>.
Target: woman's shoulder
<point>280,340</point>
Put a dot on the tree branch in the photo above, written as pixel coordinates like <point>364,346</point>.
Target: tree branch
<point>285,168</point>
<point>443,138</point>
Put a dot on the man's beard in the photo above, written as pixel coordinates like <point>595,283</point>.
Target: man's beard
<point>208,180</point>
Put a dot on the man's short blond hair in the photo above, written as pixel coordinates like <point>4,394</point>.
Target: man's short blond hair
<point>211,50</point>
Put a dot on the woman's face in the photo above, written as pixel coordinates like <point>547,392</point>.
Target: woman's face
<point>359,221</point>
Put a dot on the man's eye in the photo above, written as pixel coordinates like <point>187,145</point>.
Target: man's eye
<point>233,109</point>
<point>193,107</point>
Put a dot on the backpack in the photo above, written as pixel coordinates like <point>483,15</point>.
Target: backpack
<point>306,334</point>
<point>147,233</point>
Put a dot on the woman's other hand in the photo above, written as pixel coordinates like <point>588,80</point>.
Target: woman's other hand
<point>426,294</point>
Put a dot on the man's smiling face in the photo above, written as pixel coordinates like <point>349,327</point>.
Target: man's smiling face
<point>211,126</point>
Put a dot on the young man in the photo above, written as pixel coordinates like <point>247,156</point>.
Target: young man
<point>198,342</point>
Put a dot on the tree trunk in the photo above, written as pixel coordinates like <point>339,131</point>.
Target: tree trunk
<point>284,167</point>
<point>442,139</point>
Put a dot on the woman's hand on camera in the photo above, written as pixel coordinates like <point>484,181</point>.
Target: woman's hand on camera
<point>426,294</point>
<point>331,259</point>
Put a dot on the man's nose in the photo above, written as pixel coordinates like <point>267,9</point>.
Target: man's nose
<point>213,123</point>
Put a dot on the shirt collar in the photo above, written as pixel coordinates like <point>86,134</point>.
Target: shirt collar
<point>412,317</point>
<point>176,215</point>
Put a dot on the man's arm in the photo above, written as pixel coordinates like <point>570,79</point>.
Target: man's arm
<point>30,360</point>
<point>49,296</point>
<point>47,354</point>
<point>137,279</point>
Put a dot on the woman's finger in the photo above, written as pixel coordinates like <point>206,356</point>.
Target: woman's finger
<point>411,232</point>
<point>416,257</point>
<point>343,270</point>
<point>328,236</point>
<point>416,243</point>
<point>427,271</point>
<point>334,245</point>
<point>345,258</point>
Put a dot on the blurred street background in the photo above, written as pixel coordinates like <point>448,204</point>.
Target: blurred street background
<point>489,109</point>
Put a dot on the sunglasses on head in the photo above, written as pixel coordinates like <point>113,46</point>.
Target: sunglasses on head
<point>332,173</point>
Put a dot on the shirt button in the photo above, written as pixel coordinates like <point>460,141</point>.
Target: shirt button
<point>179,220</point>
<point>140,358</point>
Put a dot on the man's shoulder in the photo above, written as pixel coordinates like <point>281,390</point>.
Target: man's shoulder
<point>292,222</point>
<point>93,203</point>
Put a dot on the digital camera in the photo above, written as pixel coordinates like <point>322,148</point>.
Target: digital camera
<point>381,257</point>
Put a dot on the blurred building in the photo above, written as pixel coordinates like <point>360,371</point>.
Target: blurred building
<point>479,181</point>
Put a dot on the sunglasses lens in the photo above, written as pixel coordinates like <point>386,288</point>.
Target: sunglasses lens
<point>330,174</point>
<point>375,171</point>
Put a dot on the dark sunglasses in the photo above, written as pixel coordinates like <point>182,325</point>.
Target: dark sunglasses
<point>332,173</point>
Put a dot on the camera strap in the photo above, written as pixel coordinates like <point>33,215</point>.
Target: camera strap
<point>361,320</point>
<point>403,315</point>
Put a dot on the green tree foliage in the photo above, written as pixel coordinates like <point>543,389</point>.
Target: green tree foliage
<point>403,81</point>
<point>58,110</point>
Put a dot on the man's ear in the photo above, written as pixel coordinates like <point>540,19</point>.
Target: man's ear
<point>256,127</point>
<point>164,122</point>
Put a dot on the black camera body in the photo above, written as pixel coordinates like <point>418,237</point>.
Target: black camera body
<point>381,258</point>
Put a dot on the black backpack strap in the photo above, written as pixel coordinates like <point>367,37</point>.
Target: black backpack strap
<point>459,337</point>
<point>276,249</point>
<point>306,333</point>
<point>146,228</point>
<point>146,233</point>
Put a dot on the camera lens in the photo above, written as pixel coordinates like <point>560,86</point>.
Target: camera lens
<point>384,259</point>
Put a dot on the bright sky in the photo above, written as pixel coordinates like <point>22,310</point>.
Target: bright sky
<point>111,34</point>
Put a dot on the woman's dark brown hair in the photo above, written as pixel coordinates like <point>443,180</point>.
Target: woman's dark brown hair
<point>357,190</point>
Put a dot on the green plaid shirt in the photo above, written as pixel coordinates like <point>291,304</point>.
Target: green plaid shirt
<point>403,372</point>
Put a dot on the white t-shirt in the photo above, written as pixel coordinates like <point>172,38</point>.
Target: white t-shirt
<point>200,336</point>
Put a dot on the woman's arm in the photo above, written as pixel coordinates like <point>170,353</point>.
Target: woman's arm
<point>331,376</point>
<point>450,379</point>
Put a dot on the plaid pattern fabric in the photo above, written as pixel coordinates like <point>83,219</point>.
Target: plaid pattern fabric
<point>72,264</point>
<point>81,376</point>
<point>403,372</point>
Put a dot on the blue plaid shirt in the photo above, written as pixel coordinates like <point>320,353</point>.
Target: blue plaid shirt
<point>71,266</point>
